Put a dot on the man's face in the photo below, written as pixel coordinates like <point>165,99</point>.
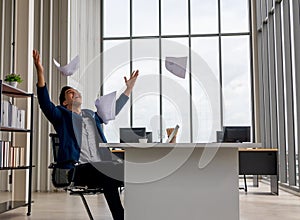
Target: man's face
<point>73,98</point>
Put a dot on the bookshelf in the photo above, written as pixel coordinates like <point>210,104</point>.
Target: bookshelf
<point>14,163</point>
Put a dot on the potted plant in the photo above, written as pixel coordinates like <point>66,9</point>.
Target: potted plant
<point>13,79</point>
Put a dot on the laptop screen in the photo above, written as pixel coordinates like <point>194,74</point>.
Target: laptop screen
<point>132,135</point>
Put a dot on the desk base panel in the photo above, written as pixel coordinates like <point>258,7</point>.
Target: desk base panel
<point>187,193</point>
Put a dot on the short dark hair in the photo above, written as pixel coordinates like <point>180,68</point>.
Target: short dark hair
<point>62,95</point>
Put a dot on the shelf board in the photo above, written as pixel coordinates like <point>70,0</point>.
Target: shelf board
<point>13,92</point>
<point>9,205</point>
<point>14,129</point>
<point>15,168</point>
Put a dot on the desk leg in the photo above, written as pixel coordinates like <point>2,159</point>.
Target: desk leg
<point>274,184</point>
<point>255,180</point>
<point>245,181</point>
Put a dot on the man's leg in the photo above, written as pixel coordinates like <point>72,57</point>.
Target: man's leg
<point>113,200</point>
<point>110,186</point>
<point>88,175</point>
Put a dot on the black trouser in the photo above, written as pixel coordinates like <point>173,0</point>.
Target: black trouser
<point>93,176</point>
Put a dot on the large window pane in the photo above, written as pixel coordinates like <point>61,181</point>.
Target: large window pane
<point>174,17</point>
<point>116,18</point>
<point>205,89</point>
<point>207,48</point>
<point>204,16</point>
<point>175,91</point>
<point>236,81</point>
<point>116,66</point>
<point>146,91</point>
<point>234,16</point>
<point>145,17</point>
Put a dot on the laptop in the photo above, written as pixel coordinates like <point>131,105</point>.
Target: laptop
<point>132,135</point>
<point>149,136</point>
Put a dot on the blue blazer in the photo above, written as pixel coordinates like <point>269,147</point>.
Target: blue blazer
<point>68,125</point>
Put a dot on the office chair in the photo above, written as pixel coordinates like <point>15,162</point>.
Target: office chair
<point>60,177</point>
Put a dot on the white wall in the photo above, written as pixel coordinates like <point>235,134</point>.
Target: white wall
<point>85,39</point>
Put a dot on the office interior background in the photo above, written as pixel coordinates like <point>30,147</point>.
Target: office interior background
<point>248,50</point>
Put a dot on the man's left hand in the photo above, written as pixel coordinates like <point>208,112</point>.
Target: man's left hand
<point>130,82</point>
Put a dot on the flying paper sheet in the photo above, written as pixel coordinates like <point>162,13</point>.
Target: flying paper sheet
<point>176,65</point>
<point>70,68</point>
<point>106,107</point>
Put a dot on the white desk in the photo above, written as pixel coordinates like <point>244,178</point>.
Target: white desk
<point>164,181</point>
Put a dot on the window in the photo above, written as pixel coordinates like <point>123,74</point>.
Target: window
<point>236,80</point>
<point>217,87</point>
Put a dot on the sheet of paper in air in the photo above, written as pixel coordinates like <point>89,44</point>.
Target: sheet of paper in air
<point>70,68</point>
<point>176,65</point>
<point>106,107</point>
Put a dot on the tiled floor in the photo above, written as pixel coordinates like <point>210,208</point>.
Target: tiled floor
<point>259,204</point>
<point>256,204</point>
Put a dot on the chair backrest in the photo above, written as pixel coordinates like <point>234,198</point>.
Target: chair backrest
<point>59,175</point>
<point>55,145</point>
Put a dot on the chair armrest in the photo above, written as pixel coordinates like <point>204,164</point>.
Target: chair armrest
<point>62,164</point>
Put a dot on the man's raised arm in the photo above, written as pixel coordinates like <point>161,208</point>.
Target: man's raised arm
<point>39,68</point>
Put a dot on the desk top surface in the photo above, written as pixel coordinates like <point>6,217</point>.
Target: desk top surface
<point>181,145</point>
<point>240,149</point>
<point>258,149</point>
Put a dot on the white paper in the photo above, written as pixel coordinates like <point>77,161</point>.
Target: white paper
<point>106,107</point>
<point>70,68</point>
<point>176,65</point>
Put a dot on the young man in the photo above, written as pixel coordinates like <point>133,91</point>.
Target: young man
<point>79,131</point>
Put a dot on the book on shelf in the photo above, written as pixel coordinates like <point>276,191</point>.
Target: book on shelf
<point>1,154</point>
<point>11,156</point>
<point>21,119</point>
<point>22,156</point>
<point>4,148</point>
<point>4,112</point>
<point>11,116</point>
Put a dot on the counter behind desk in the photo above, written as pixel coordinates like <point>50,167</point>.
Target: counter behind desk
<point>260,162</point>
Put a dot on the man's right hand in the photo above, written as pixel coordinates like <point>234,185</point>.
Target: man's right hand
<point>37,62</point>
<point>39,68</point>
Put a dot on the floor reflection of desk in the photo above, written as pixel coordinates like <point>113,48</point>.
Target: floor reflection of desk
<point>260,162</point>
<point>154,191</point>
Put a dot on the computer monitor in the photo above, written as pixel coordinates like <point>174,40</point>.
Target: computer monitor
<point>236,134</point>
<point>132,135</point>
<point>220,136</point>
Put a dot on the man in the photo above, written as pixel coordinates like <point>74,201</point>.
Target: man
<point>79,131</point>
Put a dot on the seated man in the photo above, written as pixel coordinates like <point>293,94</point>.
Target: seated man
<point>79,131</point>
